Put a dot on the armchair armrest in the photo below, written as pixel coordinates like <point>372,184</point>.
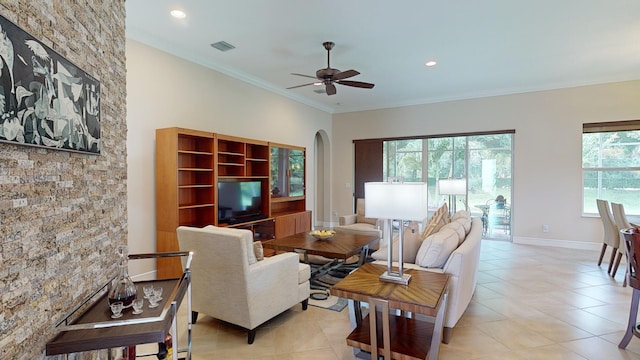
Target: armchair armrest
<point>347,219</point>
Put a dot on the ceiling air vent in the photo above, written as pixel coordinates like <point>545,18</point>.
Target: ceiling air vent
<point>223,46</point>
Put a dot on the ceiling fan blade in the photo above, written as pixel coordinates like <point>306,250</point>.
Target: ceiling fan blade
<point>309,76</point>
<point>358,84</point>
<point>331,89</point>
<point>345,74</point>
<point>297,86</point>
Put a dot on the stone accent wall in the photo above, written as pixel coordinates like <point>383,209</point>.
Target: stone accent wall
<point>62,214</point>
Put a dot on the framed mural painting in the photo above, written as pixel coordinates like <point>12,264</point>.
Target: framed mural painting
<point>45,100</point>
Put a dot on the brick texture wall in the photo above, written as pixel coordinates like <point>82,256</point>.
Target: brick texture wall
<point>62,214</point>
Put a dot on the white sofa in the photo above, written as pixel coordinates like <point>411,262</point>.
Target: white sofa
<point>461,265</point>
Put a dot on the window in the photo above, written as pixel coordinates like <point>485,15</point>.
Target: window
<point>611,165</point>
<point>483,159</point>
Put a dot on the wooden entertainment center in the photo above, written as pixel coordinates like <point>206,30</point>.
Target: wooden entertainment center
<point>191,165</point>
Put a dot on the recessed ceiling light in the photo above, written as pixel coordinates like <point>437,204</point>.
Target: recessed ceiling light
<point>430,63</point>
<point>178,14</point>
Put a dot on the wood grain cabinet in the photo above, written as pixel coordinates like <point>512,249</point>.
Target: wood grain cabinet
<point>192,164</point>
<point>289,224</point>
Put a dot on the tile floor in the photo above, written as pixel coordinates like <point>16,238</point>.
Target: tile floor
<point>530,303</point>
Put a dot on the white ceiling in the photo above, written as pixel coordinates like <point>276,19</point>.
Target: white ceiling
<point>483,48</point>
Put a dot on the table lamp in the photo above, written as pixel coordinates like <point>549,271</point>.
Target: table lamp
<point>452,187</point>
<point>395,201</point>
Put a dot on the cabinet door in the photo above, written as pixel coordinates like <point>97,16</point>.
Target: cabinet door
<point>285,225</point>
<point>303,221</point>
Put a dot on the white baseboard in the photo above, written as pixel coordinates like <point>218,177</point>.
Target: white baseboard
<point>569,244</point>
<point>150,275</point>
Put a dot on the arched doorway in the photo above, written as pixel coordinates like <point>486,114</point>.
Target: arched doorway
<point>322,166</point>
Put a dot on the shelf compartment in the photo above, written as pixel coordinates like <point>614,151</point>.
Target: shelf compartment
<point>195,177</point>
<point>410,338</point>
<point>233,170</point>
<point>257,167</point>
<point>196,144</point>
<point>195,197</point>
<point>231,147</point>
<point>196,160</point>
<point>197,217</point>
<point>255,151</point>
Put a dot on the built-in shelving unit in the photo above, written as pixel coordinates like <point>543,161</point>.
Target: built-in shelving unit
<point>189,166</point>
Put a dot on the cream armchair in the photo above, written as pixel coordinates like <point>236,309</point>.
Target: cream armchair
<point>359,224</point>
<point>229,284</point>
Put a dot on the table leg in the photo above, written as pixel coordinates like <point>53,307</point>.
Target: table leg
<point>437,328</point>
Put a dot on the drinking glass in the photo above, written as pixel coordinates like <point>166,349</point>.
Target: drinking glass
<point>148,290</point>
<point>157,291</point>
<point>137,306</point>
<point>154,301</point>
<point>116,309</point>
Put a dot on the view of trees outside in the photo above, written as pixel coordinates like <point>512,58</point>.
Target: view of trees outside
<point>287,172</point>
<point>486,158</point>
<point>611,170</point>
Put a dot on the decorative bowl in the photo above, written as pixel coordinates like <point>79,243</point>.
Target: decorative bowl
<point>322,234</point>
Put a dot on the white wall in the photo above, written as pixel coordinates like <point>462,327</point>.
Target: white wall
<point>166,91</point>
<point>547,149</point>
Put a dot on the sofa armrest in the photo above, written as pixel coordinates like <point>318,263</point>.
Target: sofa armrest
<point>347,219</point>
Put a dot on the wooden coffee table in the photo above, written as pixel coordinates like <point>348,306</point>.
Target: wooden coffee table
<point>340,247</point>
<point>411,338</point>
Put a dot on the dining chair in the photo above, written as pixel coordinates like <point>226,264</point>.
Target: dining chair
<point>620,219</point>
<point>631,243</point>
<point>610,236</point>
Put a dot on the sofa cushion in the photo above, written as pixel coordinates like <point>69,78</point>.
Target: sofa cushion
<point>438,220</point>
<point>410,246</point>
<point>436,248</point>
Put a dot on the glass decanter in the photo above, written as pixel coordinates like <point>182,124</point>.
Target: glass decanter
<point>122,288</point>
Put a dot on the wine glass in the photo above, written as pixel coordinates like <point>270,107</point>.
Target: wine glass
<point>157,291</point>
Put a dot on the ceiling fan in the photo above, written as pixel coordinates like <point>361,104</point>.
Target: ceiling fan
<point>329,76</point>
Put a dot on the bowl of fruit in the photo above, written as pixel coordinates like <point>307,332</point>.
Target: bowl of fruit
<point>322,234</point>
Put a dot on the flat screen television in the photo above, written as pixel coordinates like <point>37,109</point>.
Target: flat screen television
<point>239,201</point>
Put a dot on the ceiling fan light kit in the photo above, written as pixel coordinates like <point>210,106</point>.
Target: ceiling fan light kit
<point>330,76</point>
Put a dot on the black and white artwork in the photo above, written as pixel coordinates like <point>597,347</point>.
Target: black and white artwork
<point>45,100</point>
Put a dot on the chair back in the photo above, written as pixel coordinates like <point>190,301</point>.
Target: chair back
<point>611,235</point>
<point>619,216</point>
<point>631,238</point>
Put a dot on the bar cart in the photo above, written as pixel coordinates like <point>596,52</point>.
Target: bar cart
<point>89,325</point>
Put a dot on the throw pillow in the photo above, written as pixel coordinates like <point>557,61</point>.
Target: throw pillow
<point>460,214</point>
<point>436,248</point>
<point>258,250</point>
<point>360,214</point>
<point>466,223</point>
<point>438,220</point>
<point>458,228</point>
<point>410,245</point>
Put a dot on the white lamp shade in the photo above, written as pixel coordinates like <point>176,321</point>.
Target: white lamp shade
<point>452,186</point>
<point>400,201</point>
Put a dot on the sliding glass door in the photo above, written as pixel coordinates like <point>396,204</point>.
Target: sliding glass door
<point>484,161</point>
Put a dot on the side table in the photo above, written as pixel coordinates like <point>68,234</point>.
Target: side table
<point>404,337</point>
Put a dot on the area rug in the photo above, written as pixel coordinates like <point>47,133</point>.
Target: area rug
<point>331,303</point>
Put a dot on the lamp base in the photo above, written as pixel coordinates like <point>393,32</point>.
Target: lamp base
<point>395,278</point>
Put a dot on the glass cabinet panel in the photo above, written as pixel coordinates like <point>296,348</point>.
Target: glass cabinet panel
<point>287,172</point>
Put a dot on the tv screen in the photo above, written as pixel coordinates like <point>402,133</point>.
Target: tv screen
<point>239,201</point>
